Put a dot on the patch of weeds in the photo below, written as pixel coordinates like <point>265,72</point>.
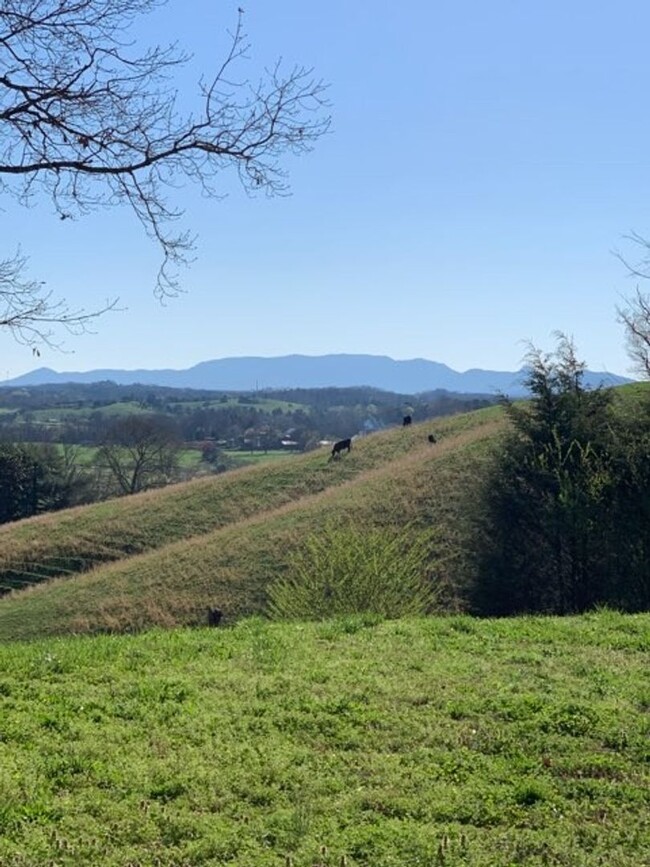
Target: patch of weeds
<point>460,709</point>
<point>575,720</point>
<point>333,629</point>
<point>491,740</point>
<point>643,700</point>
<point>517,707</point>
<point>462,624</point>
<point>616,739</point>
<point>46,664</point>
<point>454,767</point>
<point>264,646</point>
<point>167,790</point>
<point>528,793</point>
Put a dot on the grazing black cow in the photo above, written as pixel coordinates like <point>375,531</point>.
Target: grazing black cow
<point>340,445</point>
<point>431,438</point>
<point>214,616</point>
<point>406,420</point>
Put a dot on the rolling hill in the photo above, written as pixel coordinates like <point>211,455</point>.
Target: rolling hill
<point>162,557</point>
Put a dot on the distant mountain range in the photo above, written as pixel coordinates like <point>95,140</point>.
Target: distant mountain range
<point>305,371</point>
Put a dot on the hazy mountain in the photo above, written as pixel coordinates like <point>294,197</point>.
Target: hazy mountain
<point>306,371</point>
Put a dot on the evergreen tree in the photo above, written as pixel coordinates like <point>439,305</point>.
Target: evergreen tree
<point>32,480</point>
<point>562,510</point>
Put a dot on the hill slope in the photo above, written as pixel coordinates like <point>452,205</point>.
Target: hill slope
<point>219,542</point>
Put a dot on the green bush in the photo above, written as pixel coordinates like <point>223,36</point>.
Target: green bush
<point>347,570</point>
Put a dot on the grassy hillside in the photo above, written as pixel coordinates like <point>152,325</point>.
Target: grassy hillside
<point>219,542</point>
<point>443,741</point>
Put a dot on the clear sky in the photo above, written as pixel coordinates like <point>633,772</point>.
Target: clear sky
<point>484,161</point>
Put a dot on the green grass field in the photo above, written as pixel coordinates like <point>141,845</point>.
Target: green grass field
<point>436,741</point>
<point>188,459</point>
<point>439,741</point>
<point>55,415</point>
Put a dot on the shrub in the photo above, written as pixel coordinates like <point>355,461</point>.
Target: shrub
<point>347,570</point>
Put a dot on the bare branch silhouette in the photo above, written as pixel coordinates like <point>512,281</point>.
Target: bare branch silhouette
<point>635,318</point>
<point>88,122</point>
<point>30,311</point>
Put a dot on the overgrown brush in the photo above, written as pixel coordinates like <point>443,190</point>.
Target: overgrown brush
<point>348,570</point>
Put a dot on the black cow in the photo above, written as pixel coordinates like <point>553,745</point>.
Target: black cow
<point>431,438</point>
<point>214,616</point>
<point>406,420</point>
<point>340,445</point>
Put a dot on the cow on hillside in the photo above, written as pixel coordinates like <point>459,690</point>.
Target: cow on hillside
<point>406,421</point>
<point>340,446</point>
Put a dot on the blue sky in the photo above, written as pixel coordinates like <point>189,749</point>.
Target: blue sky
<point>484,161</point>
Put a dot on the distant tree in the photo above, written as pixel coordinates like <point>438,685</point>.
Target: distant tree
<point>216,457</point>
<point>16,484</point>
<point>88,121</point>
<point>139,451</point>
<point>210,452</point>
<point>76,480</point>
<point>32,480</point>
<point>563,519</point>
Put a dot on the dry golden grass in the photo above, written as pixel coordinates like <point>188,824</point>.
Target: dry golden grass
<point>395,478</point>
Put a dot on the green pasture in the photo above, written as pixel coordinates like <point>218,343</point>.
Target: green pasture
<point>265,404</point>
<point>257,457</point>
<point>408,743</point>
<point>59,414</point>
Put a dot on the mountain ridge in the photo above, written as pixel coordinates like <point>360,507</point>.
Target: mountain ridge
<point>258,373</point>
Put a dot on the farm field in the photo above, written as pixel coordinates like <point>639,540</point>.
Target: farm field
<point>436,741</point>
<point>56,414</point>
<point>188,458</point>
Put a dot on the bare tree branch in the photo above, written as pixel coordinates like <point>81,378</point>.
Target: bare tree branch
<point>642,268</point>
<point>634,315</point>
<point>89,122</point>
<point>635,318</point>
<point>30,312</point>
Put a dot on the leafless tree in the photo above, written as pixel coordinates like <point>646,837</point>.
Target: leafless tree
<point>89,121</point>
<point>139,452</point>
<point>634,314</point>
<point>635,318</point>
